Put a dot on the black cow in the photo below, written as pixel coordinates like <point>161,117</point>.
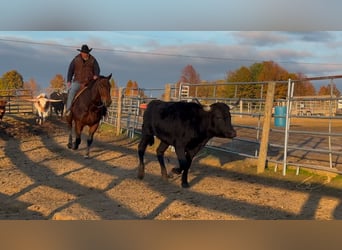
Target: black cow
<point>187,126</point>
<point>58,106</point>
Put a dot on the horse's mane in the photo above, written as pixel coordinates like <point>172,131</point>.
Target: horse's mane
<point>93,81</point>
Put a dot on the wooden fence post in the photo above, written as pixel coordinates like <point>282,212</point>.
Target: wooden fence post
<point>118,118</point>
<point>266,127</point>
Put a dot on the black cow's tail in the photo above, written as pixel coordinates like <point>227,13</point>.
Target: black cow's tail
<point>147,134</point>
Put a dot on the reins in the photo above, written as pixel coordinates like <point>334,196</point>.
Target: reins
<point>93,103</point>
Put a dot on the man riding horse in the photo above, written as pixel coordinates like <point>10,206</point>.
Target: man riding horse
<point>82,69</point>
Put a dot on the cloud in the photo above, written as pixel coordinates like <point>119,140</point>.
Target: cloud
<point>314,36</point>
<point>260,38</point>
<point>152,62</point>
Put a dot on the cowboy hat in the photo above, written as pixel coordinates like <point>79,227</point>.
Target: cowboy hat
<point>85,49</point>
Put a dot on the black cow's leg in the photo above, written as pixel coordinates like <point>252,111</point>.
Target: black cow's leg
<point>189,155</point>
<point>160,155</point>
<point>187,165</point>
<point>141,152</point>
<point>178,170</point>
<point>183,166</point>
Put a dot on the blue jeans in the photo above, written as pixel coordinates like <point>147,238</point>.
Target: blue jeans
<point>75,86</point>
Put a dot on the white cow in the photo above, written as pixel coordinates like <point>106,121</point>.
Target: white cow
<point>42,106</point>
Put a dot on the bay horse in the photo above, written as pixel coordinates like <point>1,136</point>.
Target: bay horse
<point>88,108</point>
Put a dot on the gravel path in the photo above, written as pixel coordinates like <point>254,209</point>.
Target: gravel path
<point>40,178</point>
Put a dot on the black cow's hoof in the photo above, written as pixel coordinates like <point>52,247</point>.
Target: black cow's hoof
<point>185,185</point>
<point>141,173</point>
<point>176,171</point>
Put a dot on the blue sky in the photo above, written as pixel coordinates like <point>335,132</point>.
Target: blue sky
<point>153,58</point>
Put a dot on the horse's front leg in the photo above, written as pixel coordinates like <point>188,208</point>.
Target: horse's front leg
<point>78,131</point>
<point>90,138</point>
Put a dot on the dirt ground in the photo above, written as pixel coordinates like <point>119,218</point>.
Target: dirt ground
<point>41,179</point>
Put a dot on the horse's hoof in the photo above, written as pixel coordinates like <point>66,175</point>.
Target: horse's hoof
<point>140,175</point>
<point>86,157</point>
<point>69,145</point>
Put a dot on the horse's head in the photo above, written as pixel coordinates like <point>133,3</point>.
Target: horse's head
<point>103,86</point>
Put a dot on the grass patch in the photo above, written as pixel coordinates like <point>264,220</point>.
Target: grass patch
<point>307,178</point>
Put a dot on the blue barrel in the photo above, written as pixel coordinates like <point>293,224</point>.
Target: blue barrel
<point>280,116</point>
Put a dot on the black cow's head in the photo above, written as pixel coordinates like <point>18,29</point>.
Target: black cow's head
<point>220,118</point>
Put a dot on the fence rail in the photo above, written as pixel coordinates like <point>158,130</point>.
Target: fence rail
<point>16,100</point>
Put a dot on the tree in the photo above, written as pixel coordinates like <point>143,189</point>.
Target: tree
<point>189,75</point>
<point>326,90</point>
<point>204,89</point>
<point>113,88</point>
<point>12,80</point>
<point>113,84</point>
<point>226,91</point>
<point>31,86</point>
<point>243,74</point>
<point>262,72</point>
<point>131,88</point>
<point>58,82</point>
<point>272,71</point>
<point>302,87</point>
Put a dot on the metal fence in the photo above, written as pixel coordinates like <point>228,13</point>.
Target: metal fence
<point>307,133</point>
<point>16,100</point>
<point>311,140</point>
